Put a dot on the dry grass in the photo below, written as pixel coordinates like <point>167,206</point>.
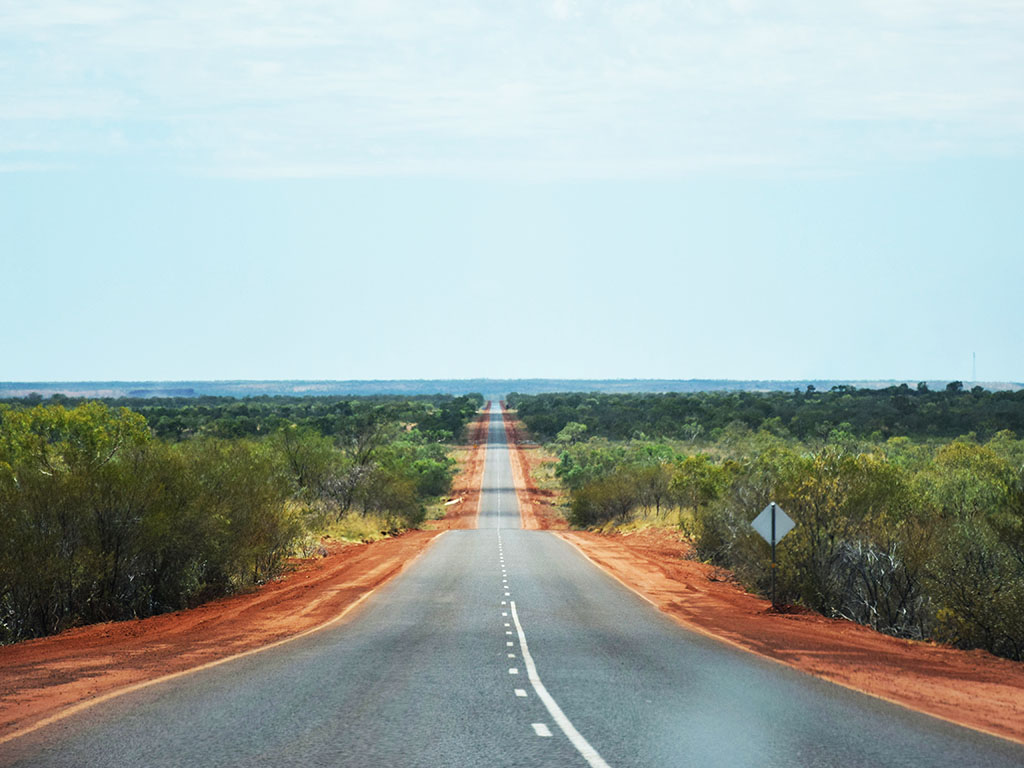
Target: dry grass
<point>356,526</point>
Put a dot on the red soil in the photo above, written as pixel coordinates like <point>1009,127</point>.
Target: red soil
<point>468,481</point>
<point>535,504</point>
<point>46,679</point>
<point>972,688</point>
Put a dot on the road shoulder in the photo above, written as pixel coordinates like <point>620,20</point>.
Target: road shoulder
<point>970,688</point>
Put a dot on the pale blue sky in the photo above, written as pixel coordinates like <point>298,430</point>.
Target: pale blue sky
<point>633,189</point>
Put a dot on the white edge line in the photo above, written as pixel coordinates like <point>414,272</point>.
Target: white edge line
<point>81,706</point>
<point>582,745</point>
<point>480,492</point>
<point>508,445</point>
<point>696,628</point>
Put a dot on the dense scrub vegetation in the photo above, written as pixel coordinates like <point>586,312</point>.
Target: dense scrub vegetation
<point>914,535</point>
<point>876,413</point>
<point>439,418</point>
<point>103,519</point>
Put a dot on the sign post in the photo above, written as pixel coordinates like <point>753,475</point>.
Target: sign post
<point>773,524</point>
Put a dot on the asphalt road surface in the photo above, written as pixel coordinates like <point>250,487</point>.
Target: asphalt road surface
<point>503,647</point>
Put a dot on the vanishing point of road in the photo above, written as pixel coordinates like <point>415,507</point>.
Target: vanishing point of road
<point>503,647</point>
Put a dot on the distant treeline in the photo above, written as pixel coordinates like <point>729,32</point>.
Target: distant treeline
<point>439,418</point>
<point>109,513</point>
<point>807,414</point>
<point>918,536</point>
<point>411,387</point>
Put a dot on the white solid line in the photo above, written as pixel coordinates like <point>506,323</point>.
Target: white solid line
<point>541,730</point>
<point>520,693</point>
<point>594,760</point>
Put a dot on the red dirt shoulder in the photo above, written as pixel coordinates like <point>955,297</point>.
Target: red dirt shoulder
<point>972,688</point>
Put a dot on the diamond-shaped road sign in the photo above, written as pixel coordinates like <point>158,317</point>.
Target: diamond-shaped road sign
<point>763,523</point>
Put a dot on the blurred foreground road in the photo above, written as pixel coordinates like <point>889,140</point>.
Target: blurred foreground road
<point>503,647</point>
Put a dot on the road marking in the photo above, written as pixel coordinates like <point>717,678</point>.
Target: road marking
<point>511,655</point>
<point>594,760</point>
<point>507,624</point>
<point>503,613</point>
<point>513,670</point>
<point>508,594</point>
<point>520,693</point>
<point>509,643</point>
<point>508,631</point>
<point>541,730</point>
<point>504,602</point>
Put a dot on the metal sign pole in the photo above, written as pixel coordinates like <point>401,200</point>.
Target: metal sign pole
<point>773,555</point>
<point>773,524</point>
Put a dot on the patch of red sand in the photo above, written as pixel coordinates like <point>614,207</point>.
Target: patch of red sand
<point>535,504</point>
<point>41,678</point>
<point>468,482</point>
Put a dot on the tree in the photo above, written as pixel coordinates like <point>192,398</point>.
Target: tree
<point>571,433</point>
<point>697,481</point>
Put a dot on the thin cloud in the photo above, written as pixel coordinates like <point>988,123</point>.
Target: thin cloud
<point>566,89</point>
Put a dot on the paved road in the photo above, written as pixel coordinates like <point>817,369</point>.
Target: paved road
<point>492,640</point>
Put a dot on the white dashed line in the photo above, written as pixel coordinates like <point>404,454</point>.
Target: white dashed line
<point>511,655</point>
<point>541,730</point>
<point>594,760</point>
<point>513,670</point>
<point>509,644</point>
<point>520,693</point>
